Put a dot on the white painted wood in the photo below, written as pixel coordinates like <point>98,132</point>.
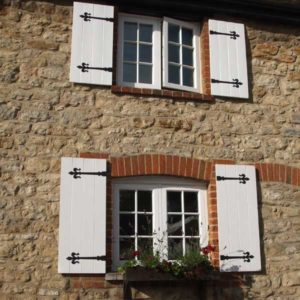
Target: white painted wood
<point>92,43</point>
<point>228,59</point>
<point>238,218</point>
<point>196,55</point>
<point>82,220</point>
<point>156,50</point>
<point>159,186</point>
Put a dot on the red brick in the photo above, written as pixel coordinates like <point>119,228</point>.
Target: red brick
<point>208,167</point>
<point>136,91</point>
<point>264,174</point>
<point>288,175</point>
<point>121,166</point>
<point>134,164</point>
<point>148,164</point>
<point>147,91</point>
<point>188,170</point>
<point>195,168</point>
<point>294,176</point>
<point>298,176</point>
<point>155,164</point>
<point>213,214</point>
<point>162,164</point>
<point>282,173</point>
<point>177,94</point>
<point>201,169</point>
<point>167,93</point>
<point>126,89</point>
<point>270,170</point>
<point>127,163</point>
<point>182,167</point>
<point>141,163</point>
<point>94,155</point>
<point>175,165</point>
<point>114,167</point>
<point>116,88</point>
<point>276,174</point>
<point>169,165</point>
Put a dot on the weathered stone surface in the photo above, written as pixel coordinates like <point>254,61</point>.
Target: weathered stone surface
<point>44,117</point>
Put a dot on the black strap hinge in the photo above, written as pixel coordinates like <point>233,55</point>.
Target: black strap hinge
<point>74,258</point>
<point>233,35</point>
<point>246,257</point>
<point>85,68</point>
<point>87,18</point>
<point>77,172</point>
<point>242,178</point>
<point>236,83</point>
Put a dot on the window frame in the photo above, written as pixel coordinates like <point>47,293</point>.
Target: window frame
<point>159,186</point>
<point>156,50</point>
<point>196,55</point>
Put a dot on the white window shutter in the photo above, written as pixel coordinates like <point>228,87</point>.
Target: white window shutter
<point>238,219</point>
<point>228,60</point>
<point>82,220</point>
<point>92,43</point>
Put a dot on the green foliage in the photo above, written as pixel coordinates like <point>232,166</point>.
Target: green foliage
<point>187,265</point>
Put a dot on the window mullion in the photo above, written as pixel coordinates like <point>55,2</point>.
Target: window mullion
<point>138,53</point>
<point>180,56</point>
<point>183,222</point>
<point>135,221</point>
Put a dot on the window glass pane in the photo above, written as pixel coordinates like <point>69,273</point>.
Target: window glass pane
<point>187,36</point>
<point>126,248</point>
<point>130,31</point>
<point>129,72</point>
<point>144,224</point>
<point>145,73</point>
<point>190,201</point>
<point>187,56</point>
<point>145,53</point>
<point>127,224</point>
<point>146,33</point>
<point>191,225</point>
<point>173,33</point>
<point>192,245</point>
<point>145,246</point>
<point>174,225</point>
<point>174,53</point>
<point>174,201</point>
<point>188,77</point>
<point>130,52</point>
<point>144,201</point>
<point>126,200</point>
<point>174,248</point>
<point>174,74</point>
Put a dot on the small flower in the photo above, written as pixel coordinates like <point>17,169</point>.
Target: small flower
<point>206,250</point>
<point>135,253</point>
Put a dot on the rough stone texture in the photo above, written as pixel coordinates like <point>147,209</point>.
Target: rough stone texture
<point>44,116</point>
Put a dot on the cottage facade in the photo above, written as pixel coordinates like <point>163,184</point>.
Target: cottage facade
<point>165,100</point>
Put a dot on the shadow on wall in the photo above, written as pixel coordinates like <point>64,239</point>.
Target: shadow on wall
<point>227,286</point>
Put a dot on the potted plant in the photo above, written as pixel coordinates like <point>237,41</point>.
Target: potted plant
<point>145,266</point>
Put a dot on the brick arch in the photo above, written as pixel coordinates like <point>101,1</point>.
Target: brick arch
<point>174,165</point>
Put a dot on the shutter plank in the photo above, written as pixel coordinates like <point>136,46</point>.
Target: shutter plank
<point>238,218</point>
<point>82,227</point>
<point>228,59</point>
<point>92,43</point>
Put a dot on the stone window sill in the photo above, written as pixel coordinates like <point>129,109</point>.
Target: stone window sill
<point>160,93</point>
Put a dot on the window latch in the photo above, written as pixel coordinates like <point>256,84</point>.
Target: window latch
<point>87,18</point>
<point>74,258</point>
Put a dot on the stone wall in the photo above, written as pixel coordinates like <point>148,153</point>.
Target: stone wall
<point>44,116</point>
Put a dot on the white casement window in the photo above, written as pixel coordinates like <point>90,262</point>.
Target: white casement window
<point>181,55</point>
<point>139,58</point>
<point>168,216</point>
